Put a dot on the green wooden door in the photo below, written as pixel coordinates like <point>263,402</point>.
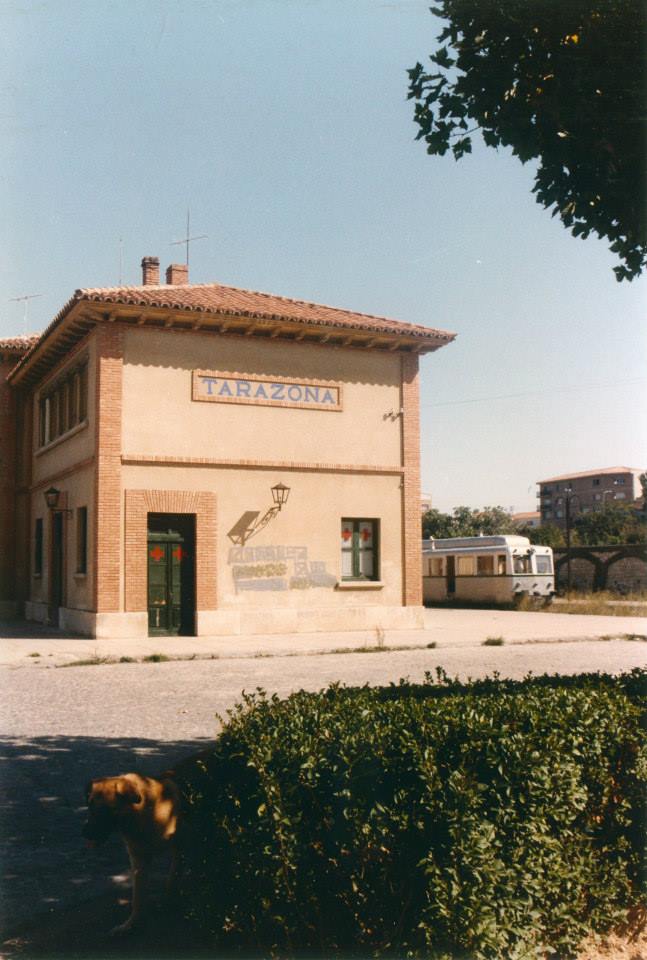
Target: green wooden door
<point>165,555</point>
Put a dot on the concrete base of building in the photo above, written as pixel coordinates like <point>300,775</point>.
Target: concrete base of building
<point>35,610</point>
<point>8,610</point>
<point>315,620</point>
<point>221,623</point>
<point>103,626</point>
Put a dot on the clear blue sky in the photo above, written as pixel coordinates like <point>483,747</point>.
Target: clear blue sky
<point>284,126</point>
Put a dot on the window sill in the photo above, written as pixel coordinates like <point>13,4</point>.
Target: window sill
<point>80,576</point>
<point>359,585</point>
<point>64,436</point>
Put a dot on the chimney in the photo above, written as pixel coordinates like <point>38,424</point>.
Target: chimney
<point>151,271</point>
<point>177,273</point>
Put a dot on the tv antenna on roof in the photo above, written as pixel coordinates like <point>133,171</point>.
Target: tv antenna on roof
<point>188,239</point>
<point>25,299</point>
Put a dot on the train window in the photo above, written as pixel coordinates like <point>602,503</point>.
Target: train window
<point>485,566</point>
<point>521,564</point>
<point>544,565</point>
<point>465,566</point>
<point>436,567</point>
<point>500,564</point>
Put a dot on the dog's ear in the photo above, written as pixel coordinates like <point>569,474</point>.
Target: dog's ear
<point>128,792</point>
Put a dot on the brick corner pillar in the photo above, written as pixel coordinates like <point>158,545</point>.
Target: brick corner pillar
<point>107,513</point>
<point>411,520</point>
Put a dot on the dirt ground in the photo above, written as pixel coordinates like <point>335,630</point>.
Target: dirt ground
<point>81,933</point>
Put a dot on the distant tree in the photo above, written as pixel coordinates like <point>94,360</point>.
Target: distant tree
<point>559,81</point>
<point>547,535</point>
<point>436,524</point>
<point>613,523</point>
<point>643,486</point>
<point>467,522</point>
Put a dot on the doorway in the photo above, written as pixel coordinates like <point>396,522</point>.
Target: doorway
<point>451,576</point>
<point>171,574</point>
<point>57,576</point>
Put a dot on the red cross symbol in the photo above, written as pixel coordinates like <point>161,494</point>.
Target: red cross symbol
<point>366,534</point>
<point>346,533</point>
<point>156,553</point>
<point>178,553</point>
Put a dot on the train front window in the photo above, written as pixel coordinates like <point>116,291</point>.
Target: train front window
<point>500,564</point>
<point>543,564</point>
<point>521,564</point>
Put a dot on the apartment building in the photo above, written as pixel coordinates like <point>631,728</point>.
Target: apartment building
<point>588,491</point>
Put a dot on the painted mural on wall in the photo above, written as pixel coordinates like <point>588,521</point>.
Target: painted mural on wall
<point>277,567</point>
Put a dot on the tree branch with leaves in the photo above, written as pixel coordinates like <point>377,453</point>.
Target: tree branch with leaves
<point>562,83</point>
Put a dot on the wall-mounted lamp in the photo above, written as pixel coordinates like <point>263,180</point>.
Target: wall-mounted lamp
<point>52,499</point>
<point>280,494</point>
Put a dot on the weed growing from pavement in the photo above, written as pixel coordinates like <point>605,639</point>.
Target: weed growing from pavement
<point>493,642</point>
<point>89,662</point>
<point>156,658</point>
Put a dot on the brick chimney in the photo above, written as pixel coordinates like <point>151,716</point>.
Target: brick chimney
<point>151,271</point>
<point>177,273</point>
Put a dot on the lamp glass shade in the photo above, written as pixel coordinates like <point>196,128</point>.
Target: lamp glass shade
<point>51,497</point>
<point>280,494</point>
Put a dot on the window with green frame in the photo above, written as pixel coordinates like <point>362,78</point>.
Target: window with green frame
<point>359,549</point>
<point>38,547</point>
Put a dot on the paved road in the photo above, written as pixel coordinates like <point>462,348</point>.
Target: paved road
<point>63,726</point>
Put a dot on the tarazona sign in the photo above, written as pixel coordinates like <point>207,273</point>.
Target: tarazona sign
<point>216,386</point>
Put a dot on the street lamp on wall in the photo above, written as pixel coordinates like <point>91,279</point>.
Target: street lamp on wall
<point>52,499</point>
<point>280,494</point>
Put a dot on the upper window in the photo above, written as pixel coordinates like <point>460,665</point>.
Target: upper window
<point>359,549</point>
<point>596,481</point>
<point>64,405</point>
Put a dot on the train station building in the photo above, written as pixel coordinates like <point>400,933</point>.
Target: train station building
<point>203,460</point>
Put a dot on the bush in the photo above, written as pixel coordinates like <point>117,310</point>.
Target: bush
<point>483,820</point>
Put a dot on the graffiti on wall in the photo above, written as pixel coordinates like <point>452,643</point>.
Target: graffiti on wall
<point>277,567</point>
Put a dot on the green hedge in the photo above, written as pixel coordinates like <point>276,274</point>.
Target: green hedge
<point>493,819</point>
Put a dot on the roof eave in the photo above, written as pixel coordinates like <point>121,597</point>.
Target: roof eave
<point>114,309</point>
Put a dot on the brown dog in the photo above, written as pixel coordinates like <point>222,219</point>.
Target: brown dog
<point>145,812</point>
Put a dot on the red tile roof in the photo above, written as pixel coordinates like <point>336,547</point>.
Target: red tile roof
<point>605,471</point>
<point>221,299</point>
<point>19,344</point>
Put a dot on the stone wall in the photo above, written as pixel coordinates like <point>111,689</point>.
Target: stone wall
<point>618,567</point>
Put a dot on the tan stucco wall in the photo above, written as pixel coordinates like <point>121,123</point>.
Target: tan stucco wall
<point>160,418</point>
<point>311,519</point>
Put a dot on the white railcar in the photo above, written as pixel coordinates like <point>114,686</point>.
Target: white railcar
<point>497,569</point>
